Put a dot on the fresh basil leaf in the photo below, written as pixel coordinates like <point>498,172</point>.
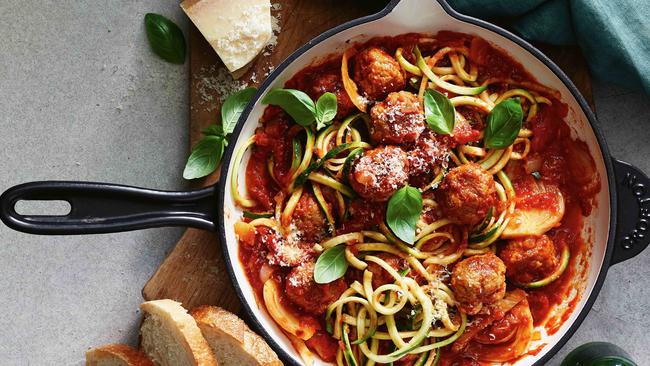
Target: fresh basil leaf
<point>439,112</point>
<point>503,124</point>
<point>213,130</point>
<point>205,157</point>
<point>296,103</point>
<point>233,107</point>
<point>331,265</point>
<point>165,37</point>
<point>326,108</point>
<point>403,213</point>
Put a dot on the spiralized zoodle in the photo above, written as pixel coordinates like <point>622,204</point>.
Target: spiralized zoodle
<point>410,312</point>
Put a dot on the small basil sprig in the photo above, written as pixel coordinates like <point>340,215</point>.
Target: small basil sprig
<point>439,112</point>
<point>165,37</point>
<point>403,213</point>
<point>503,124</point>
<point>233,107</point>
<point>205,156</point>
<point>326,107</point>
<point>331,265</point>
<point>302,108</point>
<point>207,153</point>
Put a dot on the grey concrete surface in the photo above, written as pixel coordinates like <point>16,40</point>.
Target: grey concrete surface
<point>82,97</point>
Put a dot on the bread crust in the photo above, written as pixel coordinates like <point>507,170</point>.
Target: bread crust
<point>230,325</point>
<point>185,329</point>
<point>127,354</point>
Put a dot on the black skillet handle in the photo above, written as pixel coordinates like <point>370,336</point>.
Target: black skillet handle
<point>633,226</point>
<point>107,208</point>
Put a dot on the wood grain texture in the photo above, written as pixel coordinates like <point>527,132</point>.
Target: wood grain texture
<point>194,272</point>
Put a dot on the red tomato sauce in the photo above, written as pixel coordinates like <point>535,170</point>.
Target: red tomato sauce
<point>562,162</point>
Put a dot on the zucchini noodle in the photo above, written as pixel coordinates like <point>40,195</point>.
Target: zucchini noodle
<point>332,183</point>
<point>306,158</point>
<point>407,66</point>
<point>471,101</point>
<point>234,177</point>
<point>292,202</point>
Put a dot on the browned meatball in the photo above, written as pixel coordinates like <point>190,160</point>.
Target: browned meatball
<point>466,194</point>
<point>377,73</point>
<point>309,220</point>
<point>379,275</point>
<point>529,259</point>
<point>428,151</point>
<point>477,281</point>
<point>379,173</point>
<point>397,120</point>
<point>331,82</point>
<point>309,296</point>
<point>280,251</point>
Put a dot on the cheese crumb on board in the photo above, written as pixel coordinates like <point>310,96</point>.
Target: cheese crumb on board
<point>214,85</point>
<point>237,30</point>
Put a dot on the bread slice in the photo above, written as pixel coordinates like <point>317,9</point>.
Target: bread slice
<point>116,355</point>
<point>170,336</point>
<point>232,342</point>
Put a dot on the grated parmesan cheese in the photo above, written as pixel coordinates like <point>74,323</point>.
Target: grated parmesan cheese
<point>215,84</point>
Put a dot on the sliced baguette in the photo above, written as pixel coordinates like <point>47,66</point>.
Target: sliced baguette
<point>232,342</point>
<point>116,355</point>
<point>170,336</point>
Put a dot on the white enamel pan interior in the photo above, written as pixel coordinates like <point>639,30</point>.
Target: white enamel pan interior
<point>426,16</point>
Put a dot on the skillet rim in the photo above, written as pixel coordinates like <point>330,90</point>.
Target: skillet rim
<point>602,145</point>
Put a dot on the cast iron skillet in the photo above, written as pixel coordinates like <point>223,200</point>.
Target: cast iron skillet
<point>107,208</point>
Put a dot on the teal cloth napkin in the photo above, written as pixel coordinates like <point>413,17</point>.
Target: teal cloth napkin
<point>614,35</point>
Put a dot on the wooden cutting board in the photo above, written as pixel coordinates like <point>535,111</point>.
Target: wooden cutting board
<point>194,272</point>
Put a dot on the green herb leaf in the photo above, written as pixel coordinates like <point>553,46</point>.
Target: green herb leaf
<point>439,112</point>
<point>233,107</point>
<point>326,108</point>
<point>205,157</point>
<point>404,272</point>
<point>503,124</point>
<point>296,103</point>
<point>165,37</point>
<point>213,130</point>
<point>536,175</point>
<point>403,213</point>
<point>331,265</point>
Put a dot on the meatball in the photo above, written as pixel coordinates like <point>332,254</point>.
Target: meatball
<point>309,296</point>
<point>309,220</point>
<point>331,82</point>
<point>477,281</point>
<point>379,275</point>
<point>397,120</point>
<point>377,73</point>
<point>428,151</point>
<point>280,251</point>
<point>379,173</point>
<point>529,259</point>
<point>363,214</point>
<point>466,194</point>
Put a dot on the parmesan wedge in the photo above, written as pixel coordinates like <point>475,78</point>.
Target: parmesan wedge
<point>237,30</point>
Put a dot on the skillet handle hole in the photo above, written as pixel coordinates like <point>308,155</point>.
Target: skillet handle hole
<point>43,208</point>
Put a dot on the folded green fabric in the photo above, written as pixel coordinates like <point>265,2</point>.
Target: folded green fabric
<point>614,35</point>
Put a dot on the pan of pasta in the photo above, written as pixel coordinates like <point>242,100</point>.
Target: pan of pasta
<point>412,188</point>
